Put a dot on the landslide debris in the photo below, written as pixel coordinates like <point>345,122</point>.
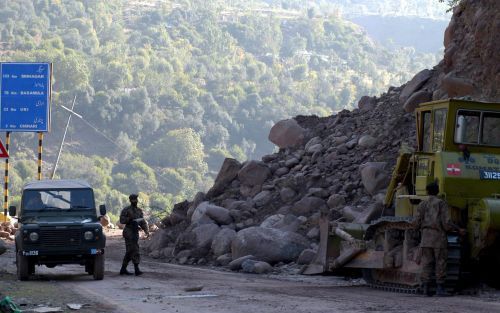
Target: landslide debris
<point>266,212</point>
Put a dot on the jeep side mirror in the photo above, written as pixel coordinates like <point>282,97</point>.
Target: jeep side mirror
<point>102,209</point>
<point>12,210</point>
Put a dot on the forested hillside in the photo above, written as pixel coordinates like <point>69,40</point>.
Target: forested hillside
<point>167,89</point>
<point>349,8</point>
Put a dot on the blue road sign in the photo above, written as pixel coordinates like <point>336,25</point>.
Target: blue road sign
<point>25,97</point>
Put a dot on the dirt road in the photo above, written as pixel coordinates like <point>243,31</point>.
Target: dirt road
<point>161,289</point>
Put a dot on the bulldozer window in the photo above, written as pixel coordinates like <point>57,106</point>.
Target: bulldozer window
<point>439,128</point>
<point>475,127</point>
<point>491,129</point>
<point>467,129</point>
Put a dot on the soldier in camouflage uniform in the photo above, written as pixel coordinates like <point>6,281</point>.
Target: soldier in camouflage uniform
<point>133,218</point>
<point>433,221</point>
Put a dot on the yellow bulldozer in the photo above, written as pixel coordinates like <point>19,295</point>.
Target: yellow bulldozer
<point>458,146</point>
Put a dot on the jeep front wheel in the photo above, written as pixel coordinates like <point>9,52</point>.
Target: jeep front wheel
<point>23,268</point>
<point>89,267</point>
<point>99,267</point>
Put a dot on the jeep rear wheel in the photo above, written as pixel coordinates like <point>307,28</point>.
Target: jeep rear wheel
<point>23,268</point>
<point>99,267</point>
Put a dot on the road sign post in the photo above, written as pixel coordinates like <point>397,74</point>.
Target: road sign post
<point>25,98</point>
<point>25,94</point>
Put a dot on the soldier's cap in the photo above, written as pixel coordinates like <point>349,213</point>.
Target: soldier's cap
<point>133,197</point>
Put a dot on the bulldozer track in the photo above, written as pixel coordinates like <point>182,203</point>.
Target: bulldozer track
<point>454,261</point>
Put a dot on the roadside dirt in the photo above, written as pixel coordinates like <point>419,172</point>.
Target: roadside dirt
<point>162,289</point>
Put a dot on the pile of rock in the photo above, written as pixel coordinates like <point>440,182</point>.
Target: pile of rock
<point>268,211</point>
<point>8,230</point>
<point>263,213</point>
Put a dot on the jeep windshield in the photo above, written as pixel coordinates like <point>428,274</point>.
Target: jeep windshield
<point>58,199</point>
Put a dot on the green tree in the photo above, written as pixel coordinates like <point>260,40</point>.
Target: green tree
<point>133,177</point>
<point>178,148</point>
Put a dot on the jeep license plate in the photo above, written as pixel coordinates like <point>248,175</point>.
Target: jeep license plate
<point>30,253</point>
<point>93,251</point>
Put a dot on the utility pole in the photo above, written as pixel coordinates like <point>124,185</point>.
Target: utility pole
<point>63,138</point>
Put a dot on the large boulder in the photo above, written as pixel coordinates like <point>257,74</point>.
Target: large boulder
<point>254,173</point>
<point>256,267</point>
<point>263,198</point>
<point>173,219</point>
<point>373,211</point>
<point>198,198</point>
<point>235,264</point>
<point>306,256</point>
<point>224,259</point>
<point>457,86</point>
<point>287,222</point>
<point>180,211</point>
<point>307,205</point>
<point>202,237</point>
<point>414,85</point>
<point>209,213</point>
<point>221,244</point>
<point>418,97</point>
<point>268,244</point>
<point>157,241</point>
<point>227,173</point>
<point>374,176</point>
<point>367,103</point>
<point>272,220</point>
<point>335,201</point>
<point>367,141</point>
<point>287,133</point>
<point>317,148</point>
<point>287,194</point>
<point>312,142</point>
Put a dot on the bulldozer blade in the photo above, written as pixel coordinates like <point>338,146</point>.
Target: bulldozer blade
<point>320,263</point>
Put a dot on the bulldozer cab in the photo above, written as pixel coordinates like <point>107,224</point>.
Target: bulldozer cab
<point>452,124</point>
<point>458,145</point>
<point>456,141</point>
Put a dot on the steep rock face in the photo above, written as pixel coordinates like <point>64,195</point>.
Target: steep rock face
<point>471,65</point>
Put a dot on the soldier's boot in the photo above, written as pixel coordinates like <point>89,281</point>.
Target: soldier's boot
<point>123,270</point>
<point>441,291</point>
<point>137,270</point>
<point>426,290</point>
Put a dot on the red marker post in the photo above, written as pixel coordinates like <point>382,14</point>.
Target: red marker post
<point>4,153</point>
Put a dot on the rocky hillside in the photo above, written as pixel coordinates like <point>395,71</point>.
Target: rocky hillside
<point>263,213</point>
<point>471,64</point>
